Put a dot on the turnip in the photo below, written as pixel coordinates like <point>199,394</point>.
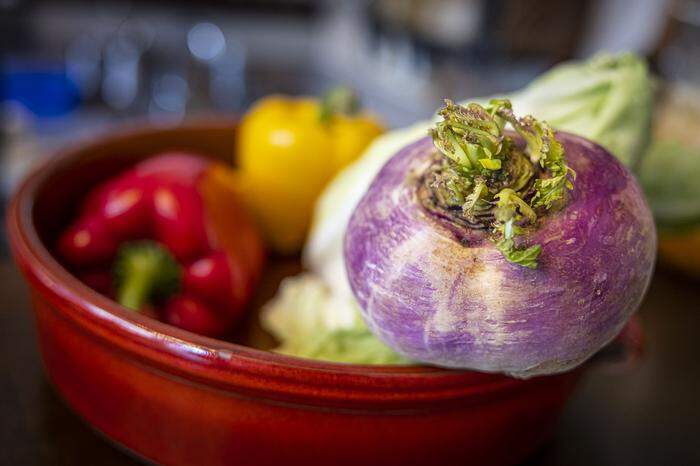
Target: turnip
<point>523,253</point>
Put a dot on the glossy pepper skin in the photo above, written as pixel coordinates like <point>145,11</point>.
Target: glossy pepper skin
<point>182,202</point>
<point>288,149</point>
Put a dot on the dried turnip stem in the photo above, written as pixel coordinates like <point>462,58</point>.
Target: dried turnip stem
<point>486,181</point>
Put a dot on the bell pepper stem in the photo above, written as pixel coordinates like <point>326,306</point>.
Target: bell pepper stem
<point>145,271</point>
<point>134,291</point>
<point>341,100</point>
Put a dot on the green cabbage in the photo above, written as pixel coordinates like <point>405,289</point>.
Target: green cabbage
<point>607,99</point>
<point>669,174</point>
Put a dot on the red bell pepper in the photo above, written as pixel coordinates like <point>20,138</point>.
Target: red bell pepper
<point>203,256</point>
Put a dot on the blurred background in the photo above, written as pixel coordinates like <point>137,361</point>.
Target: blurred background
<point>71,68</point>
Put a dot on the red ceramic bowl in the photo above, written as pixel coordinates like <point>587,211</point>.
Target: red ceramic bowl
<point>177,398</point>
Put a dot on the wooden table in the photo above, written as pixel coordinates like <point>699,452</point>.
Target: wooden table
<point>646,416</point>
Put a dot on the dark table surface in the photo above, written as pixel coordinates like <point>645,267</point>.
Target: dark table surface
<point>646,415</point>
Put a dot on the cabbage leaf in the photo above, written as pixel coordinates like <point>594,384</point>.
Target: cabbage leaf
<point>607,99</point>
<point>311,322</point>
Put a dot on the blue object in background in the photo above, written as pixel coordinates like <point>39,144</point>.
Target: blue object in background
<point>42,88</point>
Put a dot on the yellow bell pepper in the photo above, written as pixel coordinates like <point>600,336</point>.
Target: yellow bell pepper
<point>288,149</point>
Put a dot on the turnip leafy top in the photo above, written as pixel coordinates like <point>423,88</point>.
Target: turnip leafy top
<point>488,181</point>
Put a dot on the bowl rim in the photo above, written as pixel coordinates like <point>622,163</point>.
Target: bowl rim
<point>208,360</point>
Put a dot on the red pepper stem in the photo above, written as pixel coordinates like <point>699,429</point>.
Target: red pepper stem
<point>136,288</point>
<point>145,271</point>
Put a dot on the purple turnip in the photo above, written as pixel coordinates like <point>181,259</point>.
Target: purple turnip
<point>522,253</point>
